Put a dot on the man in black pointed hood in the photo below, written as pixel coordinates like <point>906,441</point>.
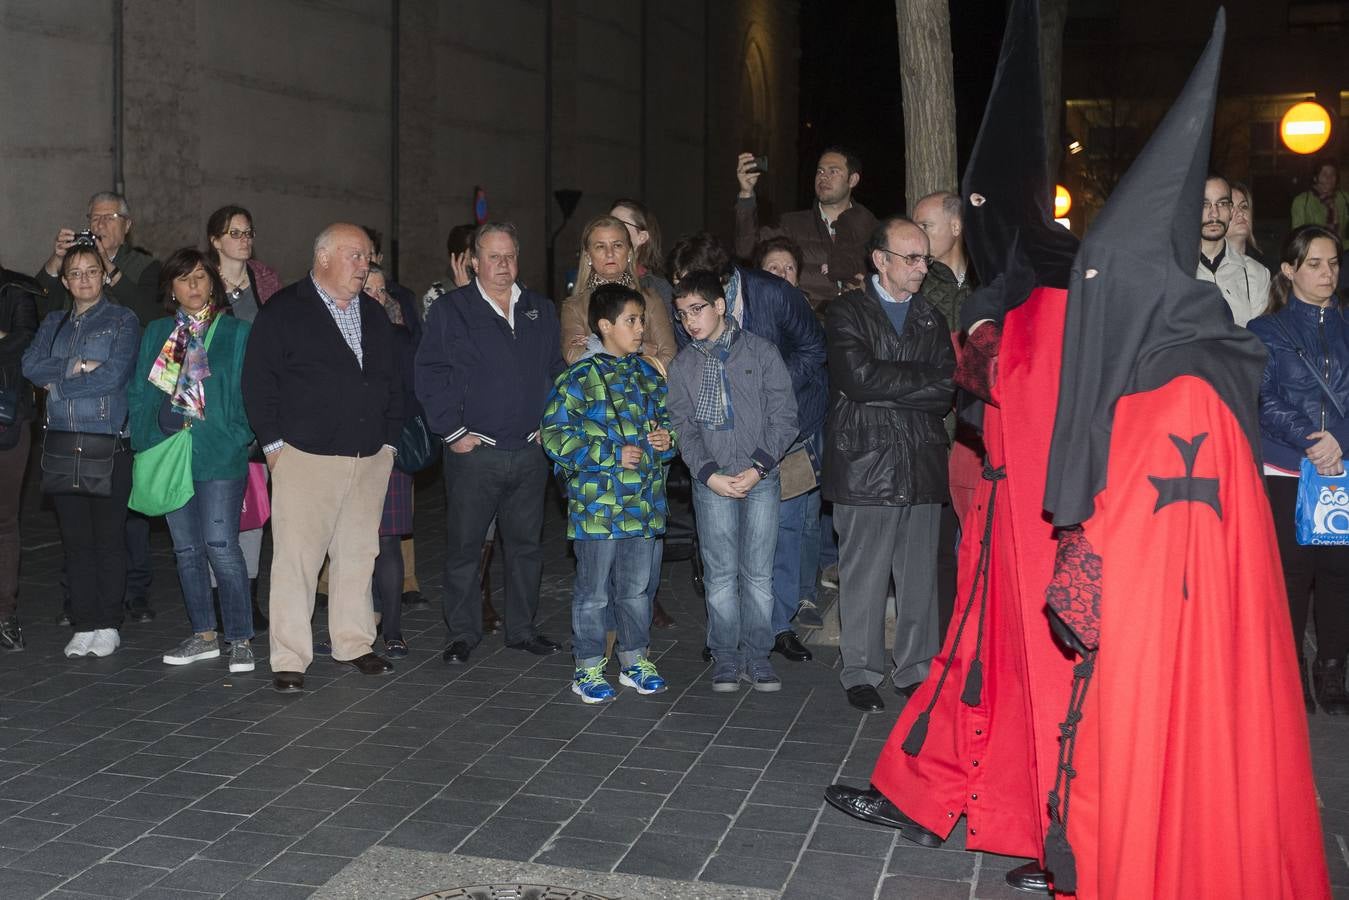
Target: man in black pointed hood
<point>979,737</point>
<point>1185,753</point>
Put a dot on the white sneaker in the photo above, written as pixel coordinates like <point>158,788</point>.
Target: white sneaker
<point>79,644</point>
<point>105,641</point>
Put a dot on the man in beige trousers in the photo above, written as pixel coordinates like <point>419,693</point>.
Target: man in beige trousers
<point>324,396</point>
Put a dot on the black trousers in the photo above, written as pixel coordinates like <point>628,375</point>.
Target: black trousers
<point>139,571</point>
<point>947,561</point>
<point>510,485</point>
<point>93,537</point>
<point>13,462</point>
<point>1308,571</point>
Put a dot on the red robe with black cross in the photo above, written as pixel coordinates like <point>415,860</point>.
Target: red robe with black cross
<point>995,762</point>
<point>1194,774</point>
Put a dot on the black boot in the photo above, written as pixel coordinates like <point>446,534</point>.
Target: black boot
<point>259,617</point>
<point>1328,677</point>
<point>1306,684</point>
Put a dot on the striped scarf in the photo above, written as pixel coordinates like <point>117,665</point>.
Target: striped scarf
<point>713,407</point>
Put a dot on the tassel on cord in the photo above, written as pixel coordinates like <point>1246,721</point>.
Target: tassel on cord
<point>917,735</point>
<point>1059,859</point>
<point>974,680</point>
<point>974,684</point>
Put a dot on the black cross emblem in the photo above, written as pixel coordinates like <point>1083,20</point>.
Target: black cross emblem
<point>1187,488</point>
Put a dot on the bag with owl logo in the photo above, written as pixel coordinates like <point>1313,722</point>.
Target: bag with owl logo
<point>1322,508</point>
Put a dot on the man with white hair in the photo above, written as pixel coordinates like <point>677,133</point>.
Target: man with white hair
<point>324,395</point>
<point>132,278</point>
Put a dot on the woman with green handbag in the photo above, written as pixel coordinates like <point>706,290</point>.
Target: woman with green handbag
<point>187,379</point>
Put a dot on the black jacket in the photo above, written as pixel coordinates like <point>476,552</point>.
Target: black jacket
<point>302,384</point>
<point>18,322</point>
<point>885,444</point>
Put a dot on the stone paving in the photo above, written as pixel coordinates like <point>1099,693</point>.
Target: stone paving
<point>125,777</point>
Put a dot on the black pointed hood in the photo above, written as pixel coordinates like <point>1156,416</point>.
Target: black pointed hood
<point>1137,316</point>
<point>1008,171</point>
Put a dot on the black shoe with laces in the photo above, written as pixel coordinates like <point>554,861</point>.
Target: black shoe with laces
<point>1328,679</point>
<point>11,635</point>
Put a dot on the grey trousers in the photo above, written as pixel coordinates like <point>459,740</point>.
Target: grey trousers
<point>877,543</point>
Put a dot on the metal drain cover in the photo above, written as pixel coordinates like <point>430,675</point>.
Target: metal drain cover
<point>513,892</point>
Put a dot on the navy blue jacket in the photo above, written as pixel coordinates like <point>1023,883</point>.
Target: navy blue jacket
<point>1292,403</point>
<point>476,376</point>
<point>303,385</point>
<point>781,315</point>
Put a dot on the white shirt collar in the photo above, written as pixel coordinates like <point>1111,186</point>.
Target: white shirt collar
<point>883,293</point>
<point>509,315</point>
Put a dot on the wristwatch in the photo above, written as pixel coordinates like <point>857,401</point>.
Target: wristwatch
<point>763,472</point>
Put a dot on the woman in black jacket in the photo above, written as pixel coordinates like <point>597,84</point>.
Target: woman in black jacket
<point>18,324</point>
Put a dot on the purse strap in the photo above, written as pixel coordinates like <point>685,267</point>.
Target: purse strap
<point>1320,379</point>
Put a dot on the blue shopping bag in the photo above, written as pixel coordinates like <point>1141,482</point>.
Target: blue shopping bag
<point>1322,507</point>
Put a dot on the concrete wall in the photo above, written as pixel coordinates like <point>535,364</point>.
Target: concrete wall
<point>288,108</point>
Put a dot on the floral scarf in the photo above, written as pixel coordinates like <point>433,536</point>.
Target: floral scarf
<point>181,366</point>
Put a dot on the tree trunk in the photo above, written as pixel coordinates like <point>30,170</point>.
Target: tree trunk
<point>929,98</point>
<point>1053,14</point>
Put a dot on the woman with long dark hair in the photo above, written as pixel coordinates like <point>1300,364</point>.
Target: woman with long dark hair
<point>247,283</point>
<point>83,358</point>
<point>1306,384</point>
<point>644,235</point>
<point>188,377</point>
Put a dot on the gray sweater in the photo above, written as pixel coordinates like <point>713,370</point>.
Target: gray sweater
<point>762,402</point>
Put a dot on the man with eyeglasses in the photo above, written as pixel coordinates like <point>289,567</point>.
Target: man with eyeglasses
<point>891,365</point>
<point>133,275</point>
<point>1243,281</point>
<point>832,234</point>
<point>324,394</point>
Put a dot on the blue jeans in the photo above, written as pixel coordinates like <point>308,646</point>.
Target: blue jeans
<point>789,557</point>
<point>652,583</point>
<point>626,564</point>
<point>737,539</point>
<point>205,539</point>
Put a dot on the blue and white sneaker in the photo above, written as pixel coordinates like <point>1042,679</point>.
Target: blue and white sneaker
<point>725,675</point>
<point>642,677</point>
<point>591,686</point>
<point>759,673</point>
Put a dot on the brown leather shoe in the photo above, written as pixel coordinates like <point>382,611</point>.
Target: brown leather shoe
<point>369,664</point>
<point>288,682</point>
<point>660,618</point>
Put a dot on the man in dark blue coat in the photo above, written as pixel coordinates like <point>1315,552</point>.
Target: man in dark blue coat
<point>486,363</point>
<point>769,307</point>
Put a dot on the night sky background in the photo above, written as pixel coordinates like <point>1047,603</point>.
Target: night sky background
<point>851,95</point>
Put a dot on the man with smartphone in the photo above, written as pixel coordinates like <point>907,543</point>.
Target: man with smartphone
<point>832,234</point>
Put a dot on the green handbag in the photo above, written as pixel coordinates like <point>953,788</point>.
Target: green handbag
<point>161,477</point>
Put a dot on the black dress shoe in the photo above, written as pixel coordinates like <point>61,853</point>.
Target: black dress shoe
<point>1030,878</point>
<point>871,805</point>
<point>866,698</point>
<point>414,600</point>
<point>538,645</point>
<point>369,664</point>
<point>288,682</point>
<point>707,653</point>
<point>140,613</point>
<point>456,654</point>
<point>790,646</point>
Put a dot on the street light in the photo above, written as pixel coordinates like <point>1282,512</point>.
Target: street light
<point>1305,127</point>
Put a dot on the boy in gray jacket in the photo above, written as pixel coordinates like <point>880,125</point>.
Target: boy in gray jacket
<point>732,404</point>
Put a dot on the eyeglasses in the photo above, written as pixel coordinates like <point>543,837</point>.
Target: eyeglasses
<point>237,234</point>
<point>693,312</point>
<point>910,259</point>
<point>1218,204</point>
<point>107,217</point>
<point>633,225</point>
<point>89,274</point>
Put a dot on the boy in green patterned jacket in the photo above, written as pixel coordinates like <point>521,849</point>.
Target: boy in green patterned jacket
<point>608,433</point>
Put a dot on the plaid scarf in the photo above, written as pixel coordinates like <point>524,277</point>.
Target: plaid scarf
<point>713,408</point>
<point>181,366</point>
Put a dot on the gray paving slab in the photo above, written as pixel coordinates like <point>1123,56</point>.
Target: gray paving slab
<point>123,776</point>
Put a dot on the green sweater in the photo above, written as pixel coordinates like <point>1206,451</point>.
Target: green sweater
<point>220,441</point>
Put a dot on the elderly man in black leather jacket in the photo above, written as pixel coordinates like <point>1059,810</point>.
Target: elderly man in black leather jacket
<point>891,364</point>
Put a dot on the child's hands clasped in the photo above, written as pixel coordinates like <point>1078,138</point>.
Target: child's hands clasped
<point>632,457</point>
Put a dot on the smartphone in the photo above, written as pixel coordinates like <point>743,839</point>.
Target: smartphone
<point>760,164</point>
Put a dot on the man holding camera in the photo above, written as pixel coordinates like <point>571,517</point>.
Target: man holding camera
<point>133,275</point>
<point>832,234</point>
